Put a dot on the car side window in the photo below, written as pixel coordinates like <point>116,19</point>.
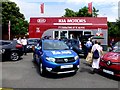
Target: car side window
<point>5,43</point>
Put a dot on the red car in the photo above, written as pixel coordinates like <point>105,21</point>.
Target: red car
<point>110,63</point>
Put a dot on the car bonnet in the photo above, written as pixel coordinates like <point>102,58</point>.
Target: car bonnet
<point>114,57</point>
<point>59,53</point>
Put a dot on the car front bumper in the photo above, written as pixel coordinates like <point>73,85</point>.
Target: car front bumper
<point>110,71</point>
<point>62,68</point>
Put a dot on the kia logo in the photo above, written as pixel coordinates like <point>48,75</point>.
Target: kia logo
<point>41,20</point>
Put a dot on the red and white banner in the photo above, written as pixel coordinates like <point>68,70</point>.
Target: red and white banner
<point>42,8</point>
<point>90,8</point>
<point>9,29</point>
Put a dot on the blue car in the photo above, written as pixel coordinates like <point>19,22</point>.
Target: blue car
<point>54,56</point>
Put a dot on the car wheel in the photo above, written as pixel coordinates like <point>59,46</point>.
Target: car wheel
<point>14,56</point>
<point>41,69</point>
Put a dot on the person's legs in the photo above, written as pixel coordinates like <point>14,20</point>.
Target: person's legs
<point>25,47</point>
<point>86,52</point>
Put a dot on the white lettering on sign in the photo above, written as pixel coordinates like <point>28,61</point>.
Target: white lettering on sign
<point>71,20</point>
<point>60,52</point>
<point>62,20</point>
<point>71,27</point>
<point>37,30</point>
<point>76,20</point>
<point>41,20</point>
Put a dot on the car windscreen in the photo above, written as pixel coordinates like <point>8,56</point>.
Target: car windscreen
<point>116,50</point>
<point>4,43</point>
<point>72,43</point>
<point>32,41</point>
<point>54,45</point>
<point>117,44</point>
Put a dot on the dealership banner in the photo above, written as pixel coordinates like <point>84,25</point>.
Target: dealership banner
<point>42,8</point>
<point>90,8</point>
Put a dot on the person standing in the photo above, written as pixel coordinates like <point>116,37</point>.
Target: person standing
<point>19,40</point>
<point>24,43</point>
<point>88,47</point>
<point>96,48</point>
<point>112,43</point>
<point>15,38</point>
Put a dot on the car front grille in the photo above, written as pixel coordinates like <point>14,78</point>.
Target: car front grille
<point>65,60</point>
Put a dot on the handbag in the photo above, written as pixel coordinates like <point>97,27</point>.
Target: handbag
<point>18,45</point>
<point>89,58</point>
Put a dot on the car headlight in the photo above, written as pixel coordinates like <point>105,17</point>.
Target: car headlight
<point>2,51</point>
<point>50,59</point>
<point>76,57</point>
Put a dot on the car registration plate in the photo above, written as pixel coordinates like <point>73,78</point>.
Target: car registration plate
<point>107,71</point>
<point>66,66</point>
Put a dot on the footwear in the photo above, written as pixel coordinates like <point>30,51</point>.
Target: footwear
<point>96,70</point>
<point>92,72</point>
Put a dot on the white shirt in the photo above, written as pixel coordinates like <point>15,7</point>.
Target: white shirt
<point>95,63</point>
<point>24,41</point>
<point>88,43</point>
<point>98,47</point>
<point>19,41</point>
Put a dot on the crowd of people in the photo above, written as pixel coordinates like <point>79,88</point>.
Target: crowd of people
<point>23,42</point>
<point>93,52</point>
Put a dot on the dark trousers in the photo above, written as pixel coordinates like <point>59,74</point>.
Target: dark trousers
<point>87,50</point>
<point>24,49</point>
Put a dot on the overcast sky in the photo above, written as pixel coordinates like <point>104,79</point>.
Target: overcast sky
<point>56,8</point>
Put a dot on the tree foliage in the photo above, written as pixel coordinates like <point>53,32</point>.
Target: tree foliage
<point>83,12</point>
<point>11,12</point>
<point>114,29</point>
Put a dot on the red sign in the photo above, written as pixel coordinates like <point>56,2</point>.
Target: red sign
<point>74,23</point>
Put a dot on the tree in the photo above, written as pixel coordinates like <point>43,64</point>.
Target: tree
<point>83,12</point>
<point>118,27</point>
<point>111,30</point>
<point>11,12</point>
<point>114,29</point>
<point>70,13</point>
<point>95,12</point>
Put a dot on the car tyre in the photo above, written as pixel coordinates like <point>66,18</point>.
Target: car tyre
<point>14,56</point>
<point>41,69</point>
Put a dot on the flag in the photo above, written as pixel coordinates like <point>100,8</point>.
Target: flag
<point>42,8</point>
<point>9,29</point>
<point>90,8</point>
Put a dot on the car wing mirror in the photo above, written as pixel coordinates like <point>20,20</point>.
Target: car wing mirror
<point>38,47</point>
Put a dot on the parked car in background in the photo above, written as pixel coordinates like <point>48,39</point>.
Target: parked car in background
<point>75,45</point>
<point>116,46</point>
<point>30,43</point>
<point>110,63</point>
<point>10,50</point>
<point>54,56</point>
